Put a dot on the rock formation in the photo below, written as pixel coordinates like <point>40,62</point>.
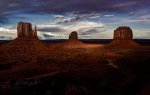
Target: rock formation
<point>123,33</point>
<point>73,41</point>
<point>73,36</point>
<point>26,45</point>
<point>123,38</point>
<point>24,29</point>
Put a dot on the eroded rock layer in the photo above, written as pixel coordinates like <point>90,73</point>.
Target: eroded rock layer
<point>24,29</point>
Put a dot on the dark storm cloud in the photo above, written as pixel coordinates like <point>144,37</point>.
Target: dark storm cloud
<point>51,29</point>
<point>9,8</point>
<point>84,6</point>
<point>62,6</point>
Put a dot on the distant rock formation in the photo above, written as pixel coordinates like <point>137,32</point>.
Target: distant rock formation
<point>123,33</point>
<point>26,45</point>
<point>24,29</point>
<point>73,35</point>
<point>123,38</point>
<point>73,41</point>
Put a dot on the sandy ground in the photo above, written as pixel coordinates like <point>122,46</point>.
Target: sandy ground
<point>33,59</point>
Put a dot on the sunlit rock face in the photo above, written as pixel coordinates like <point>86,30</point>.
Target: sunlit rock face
<point>24,29</point>
<point>123,33</point>
<point>73,36</point>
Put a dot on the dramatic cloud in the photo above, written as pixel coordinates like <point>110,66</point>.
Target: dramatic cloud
<point>74,17</point>
<point>9,8</point>
<point>84,29</point>
<point>88,17</point>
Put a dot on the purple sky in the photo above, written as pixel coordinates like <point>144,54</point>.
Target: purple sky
<point>92,19</point>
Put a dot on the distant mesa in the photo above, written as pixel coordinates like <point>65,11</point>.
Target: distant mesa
<point>24,29</point>
<point>73,41</point>
<point>123,33</point>
<point>26,44</point>
<point>73,35</point>
<point>123,38</point>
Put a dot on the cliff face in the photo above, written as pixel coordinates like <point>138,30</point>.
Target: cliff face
<point>25,46</point>
<point>24,29</point>
<point>123,33</point>
<point>73,36</point>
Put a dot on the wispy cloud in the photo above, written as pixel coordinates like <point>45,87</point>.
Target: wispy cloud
<point>145,17</point>
<point>7,33</point>
<point>62,31</point>
<point>74,17</point>
<point>50,29</point>
<point>125,4</point>
<point>109,15</point>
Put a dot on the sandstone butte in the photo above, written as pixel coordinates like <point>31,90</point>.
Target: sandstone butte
<point>123,38</point>
<point>24,29</point>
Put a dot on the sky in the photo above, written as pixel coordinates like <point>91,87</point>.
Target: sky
<point>92,19</point>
